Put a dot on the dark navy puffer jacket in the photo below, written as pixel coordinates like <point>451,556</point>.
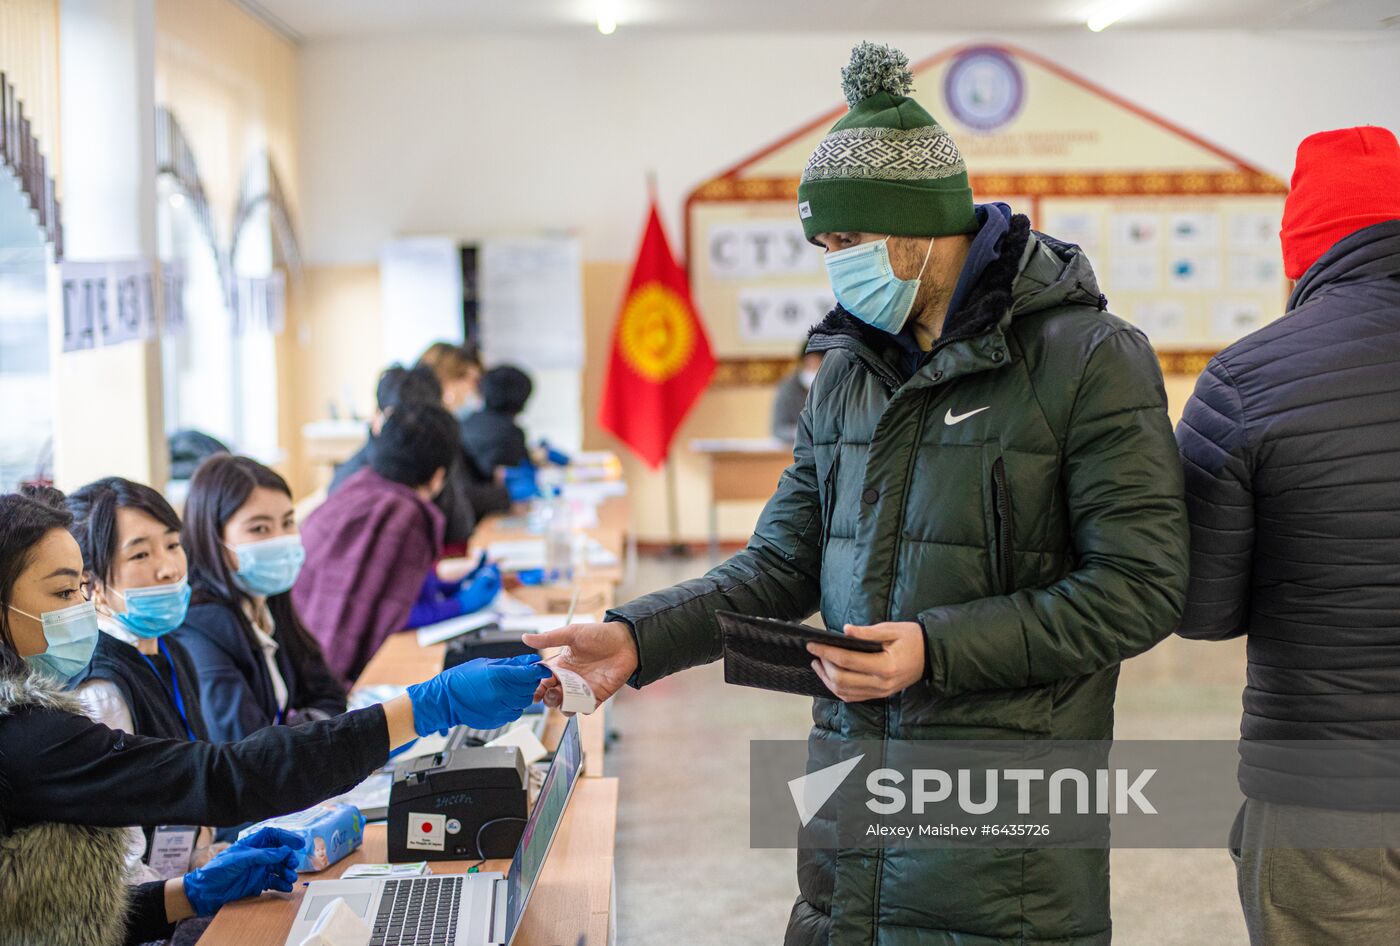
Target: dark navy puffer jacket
<point>1291,446</point>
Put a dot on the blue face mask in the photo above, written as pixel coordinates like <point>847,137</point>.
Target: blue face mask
<point>71,636</point>
<point>866,286</point>
<point>468,407</point>
<point>269,567</point>
<point>156,610</point>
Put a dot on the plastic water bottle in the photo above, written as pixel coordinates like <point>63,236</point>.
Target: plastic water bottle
<point>559,538</point>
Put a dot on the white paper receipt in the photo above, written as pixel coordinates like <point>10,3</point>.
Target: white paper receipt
<point>578,695</point>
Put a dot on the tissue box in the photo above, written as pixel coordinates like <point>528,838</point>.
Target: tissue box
<point>329,833</point>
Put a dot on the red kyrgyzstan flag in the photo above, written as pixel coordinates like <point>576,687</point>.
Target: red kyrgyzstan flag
<point>661,359</point>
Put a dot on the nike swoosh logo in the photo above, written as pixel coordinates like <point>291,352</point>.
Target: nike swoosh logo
<point>950,418</point>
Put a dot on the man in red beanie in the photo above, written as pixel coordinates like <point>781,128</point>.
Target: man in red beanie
<point>1291,449</point>
<point>1345,181</point>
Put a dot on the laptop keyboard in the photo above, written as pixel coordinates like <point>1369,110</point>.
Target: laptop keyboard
<point>419,912</point>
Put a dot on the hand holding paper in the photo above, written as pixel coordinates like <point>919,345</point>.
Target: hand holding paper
<point>604,655</point>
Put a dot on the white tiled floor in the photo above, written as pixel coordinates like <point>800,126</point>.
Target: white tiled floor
<point>686,874</point>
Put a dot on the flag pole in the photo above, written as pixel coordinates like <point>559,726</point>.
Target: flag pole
<point>676,549</point>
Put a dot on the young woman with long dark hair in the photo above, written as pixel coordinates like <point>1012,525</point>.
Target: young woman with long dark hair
<point>139,680</point>
<point>68,785</point>
<point>257,664</point>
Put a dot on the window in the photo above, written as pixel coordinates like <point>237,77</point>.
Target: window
<point>26,425</point>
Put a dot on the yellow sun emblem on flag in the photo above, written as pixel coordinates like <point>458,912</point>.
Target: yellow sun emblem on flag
<point>657,334</point>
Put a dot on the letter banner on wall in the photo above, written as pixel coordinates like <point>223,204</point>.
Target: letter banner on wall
<point>258,303</point>
<point>1182,234</point>
<point>106,303</point>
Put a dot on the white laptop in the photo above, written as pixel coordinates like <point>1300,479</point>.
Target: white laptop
<point>481,909</point>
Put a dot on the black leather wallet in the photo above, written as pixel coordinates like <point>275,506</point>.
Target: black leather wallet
<point>772,655</point>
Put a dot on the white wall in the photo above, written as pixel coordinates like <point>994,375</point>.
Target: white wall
<point>511,133</point>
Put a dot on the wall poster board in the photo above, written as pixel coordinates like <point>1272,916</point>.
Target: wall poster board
<point>1182,234</point>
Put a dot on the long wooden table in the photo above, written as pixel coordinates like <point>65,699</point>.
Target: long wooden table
<point>572,903</point>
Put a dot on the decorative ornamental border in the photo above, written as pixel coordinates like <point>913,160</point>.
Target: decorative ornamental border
<point>766,372</point>
<point>20,152</point>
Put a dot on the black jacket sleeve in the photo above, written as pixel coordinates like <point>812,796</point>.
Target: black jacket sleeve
<point>777,575</point>
<point>57,766</point>
<point>492,440</point>
<point>455,502</point>
<point>145,915</point>
<point>1220,502</point>
<point>488,498</point>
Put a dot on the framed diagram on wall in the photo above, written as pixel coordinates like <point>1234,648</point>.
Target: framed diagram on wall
<point>1183,235</point>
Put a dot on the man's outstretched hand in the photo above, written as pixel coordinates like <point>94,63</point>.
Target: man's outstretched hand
<point>605,655</point>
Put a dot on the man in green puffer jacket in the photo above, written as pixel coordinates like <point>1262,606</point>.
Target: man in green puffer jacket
<point>985,480</point>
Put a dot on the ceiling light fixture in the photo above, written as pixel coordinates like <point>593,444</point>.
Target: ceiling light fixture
<point>607,16</point>
<point>1106,14</point>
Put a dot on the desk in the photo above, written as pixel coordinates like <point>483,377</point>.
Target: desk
<point>512,529</point>
<point>571,904</point>
<point>741,470</point>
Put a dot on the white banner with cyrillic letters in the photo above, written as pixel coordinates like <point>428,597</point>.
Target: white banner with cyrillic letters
<point>782,313</point>
<point>106,303</point>
<point>752,248</point>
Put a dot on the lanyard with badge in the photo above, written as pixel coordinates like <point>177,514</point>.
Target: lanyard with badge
<point>172,846</point>
<point>174,689</point>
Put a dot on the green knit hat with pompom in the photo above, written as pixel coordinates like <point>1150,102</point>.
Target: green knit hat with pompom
<point>886,166</point>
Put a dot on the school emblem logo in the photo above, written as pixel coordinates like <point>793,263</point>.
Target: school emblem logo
<point>984,88</point>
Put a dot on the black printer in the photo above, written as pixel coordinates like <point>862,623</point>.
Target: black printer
<point>442,806</point>
<point>490,641</point>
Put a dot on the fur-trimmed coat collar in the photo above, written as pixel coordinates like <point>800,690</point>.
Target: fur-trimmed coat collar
<point>60,884</point>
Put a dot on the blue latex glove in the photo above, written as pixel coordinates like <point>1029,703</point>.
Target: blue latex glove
<point>480,588</point>
<point>554,454</point>
<point>520,482</point>
<point>265,860</point>
<point>481,693</point>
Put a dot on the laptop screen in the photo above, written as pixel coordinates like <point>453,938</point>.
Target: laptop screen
<point>542,825</point>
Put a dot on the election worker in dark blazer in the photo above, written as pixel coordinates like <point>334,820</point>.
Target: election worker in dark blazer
<point>257,664</point>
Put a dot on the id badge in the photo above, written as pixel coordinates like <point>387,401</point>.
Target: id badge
<point>172,846</point>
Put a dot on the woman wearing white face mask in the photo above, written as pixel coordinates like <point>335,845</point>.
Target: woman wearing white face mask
<point>138,680</point>
<point>256,663</point>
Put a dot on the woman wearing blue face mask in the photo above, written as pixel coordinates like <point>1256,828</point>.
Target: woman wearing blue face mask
<point>139,680</point>
<point>69,784</point>
<point>256,663</point>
